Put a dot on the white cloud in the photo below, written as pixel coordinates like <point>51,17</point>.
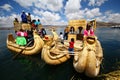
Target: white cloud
<point>8,20</point>
<point>47,17</point>
<point>50,18</point>
<point>86,14</point>
<point>96,2</point>
<point>114,17</point>
<point>25,3</point>
<point>91,3</point>
<point>6,7</point>
<point>37,12</point>
<point>92,13</point>
<point>108,16</point>
<point>72,9</point>
<point>76,15</point>
<point>102,19</point>
<point>53,5</point>
<point>41,4</point>
<point>72,6</point>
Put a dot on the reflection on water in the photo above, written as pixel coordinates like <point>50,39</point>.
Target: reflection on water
<point>33,68</point>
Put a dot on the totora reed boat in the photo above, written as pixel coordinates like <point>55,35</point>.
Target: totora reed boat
<point>51,52</point>
<point>30,50</point>
<point>89,59</point>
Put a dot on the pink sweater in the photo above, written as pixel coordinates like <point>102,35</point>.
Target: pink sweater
<point>89,32</point>
<point>19,33</point>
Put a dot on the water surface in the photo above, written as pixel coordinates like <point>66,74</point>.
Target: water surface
<point>33,68</point>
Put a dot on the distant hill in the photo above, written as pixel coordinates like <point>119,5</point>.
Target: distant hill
<point>99,24</point>
<point>105,24</point>
<point>6,28</point>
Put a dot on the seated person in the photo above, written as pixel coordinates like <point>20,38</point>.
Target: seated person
<point>21,40</point>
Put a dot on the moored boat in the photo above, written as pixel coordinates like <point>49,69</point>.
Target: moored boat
<point>89,59</point>
<point>51,52</point>
<point>29,50</point>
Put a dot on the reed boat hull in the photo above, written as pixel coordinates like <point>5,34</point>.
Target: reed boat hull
<point>35,49</point>
<point>53,58</point>
<point>89,59</point>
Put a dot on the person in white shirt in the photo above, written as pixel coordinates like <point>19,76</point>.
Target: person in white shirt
<point>61,38</point>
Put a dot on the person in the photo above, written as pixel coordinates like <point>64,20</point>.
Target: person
<point>71,46</point>
<point>37,23</point>
<point>66,31</point>
<point>72,30</point>
<point>24,17</point>
<point>21,40</point>
<point>16,20</point>
<point>33,24</point>
<point>16,24</point>
<point>61,38</point>
<point>43,32</point>
<point>29,18</point>
<point>88,32</point>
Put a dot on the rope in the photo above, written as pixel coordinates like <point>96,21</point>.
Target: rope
<point>70,53</point>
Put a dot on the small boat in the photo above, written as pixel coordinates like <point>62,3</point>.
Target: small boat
<point>89,59</point>
<point>51,52</point>
<point>30,50</point>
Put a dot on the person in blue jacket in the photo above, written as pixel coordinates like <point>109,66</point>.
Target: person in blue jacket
<point>24,17</point>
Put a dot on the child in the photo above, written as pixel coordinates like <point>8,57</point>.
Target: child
<point>61,38</point>
<point>71,45</point>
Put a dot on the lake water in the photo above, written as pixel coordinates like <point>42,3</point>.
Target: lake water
<point>33,68</point>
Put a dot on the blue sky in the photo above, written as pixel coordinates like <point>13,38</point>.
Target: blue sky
<point>59,11</point>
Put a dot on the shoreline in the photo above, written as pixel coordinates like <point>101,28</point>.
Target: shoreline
<point>10,28</point>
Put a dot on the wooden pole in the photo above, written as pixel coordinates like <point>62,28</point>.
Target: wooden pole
<point>14,57</point>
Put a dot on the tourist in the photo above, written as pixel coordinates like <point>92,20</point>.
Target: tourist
<point>24,17</point>
<point>61,38</point>
<point>16,24</point>
<point>33,24</point>
<point>66,31</point>
<point>16,20</point>
<point>37,23</point>
<point>72,30</point>
<point>29,18</point>
<point>71,46</point>
<point>43,32</point>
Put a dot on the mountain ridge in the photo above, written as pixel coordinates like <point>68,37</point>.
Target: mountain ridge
<point>99,24</point>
